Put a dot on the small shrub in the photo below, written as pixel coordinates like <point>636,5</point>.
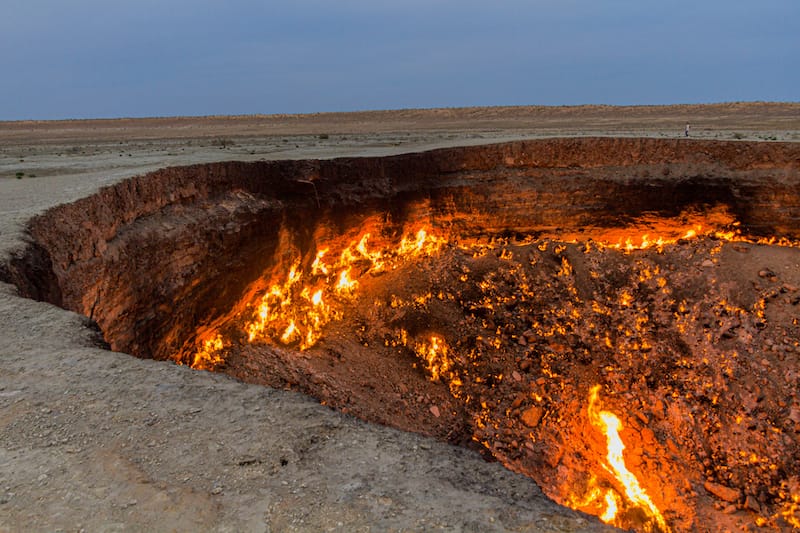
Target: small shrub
<point>222,143</point>
<point>738,136</point>
<point>324,136</point>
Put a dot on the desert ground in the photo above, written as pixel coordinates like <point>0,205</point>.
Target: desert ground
<point>100,441</point>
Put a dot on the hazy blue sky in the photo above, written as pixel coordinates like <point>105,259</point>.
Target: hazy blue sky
<point>109,58</point>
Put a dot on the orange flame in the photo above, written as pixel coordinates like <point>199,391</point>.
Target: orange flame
<point>790,511</point>
<point>295,310</point>
<point>612,507</point>
<point>303,320</point>
<point>346,285</point>
<point>434,354</point>
<point>208,356</point>
<point>653,232</point>
<point>610,425</point>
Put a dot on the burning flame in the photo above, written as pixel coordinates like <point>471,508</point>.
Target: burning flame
<point>305,296</point>
<point>434,354</point>
<point>302,320</point>
<point>296,310</point>
<point>208,356</point>
<point>652,232</point>
<point>612,507</point>
<point>790,512</point>
<point>610,425</point>
<point>345,284</point>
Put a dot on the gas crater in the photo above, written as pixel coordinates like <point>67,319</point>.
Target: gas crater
<point>615,318</point>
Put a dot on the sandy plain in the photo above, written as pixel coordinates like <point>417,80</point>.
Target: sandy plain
<point>100,441</point>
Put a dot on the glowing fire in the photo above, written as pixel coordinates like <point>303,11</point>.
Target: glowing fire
<point>610,425</point>
<point>790,493</point>
<point>652,232</point>
<point>208,356</point>
<point>294,311</point>
<point>434,354</point>
<point>302,320</point>
<point>304,294</point>
<point>612,507</point>
<point>280,314</point>
<point>346,285</point>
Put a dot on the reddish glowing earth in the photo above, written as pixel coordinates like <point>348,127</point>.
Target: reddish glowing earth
<point>522,335</point>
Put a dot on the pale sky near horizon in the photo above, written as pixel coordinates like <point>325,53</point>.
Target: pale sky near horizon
<point>99,59</point>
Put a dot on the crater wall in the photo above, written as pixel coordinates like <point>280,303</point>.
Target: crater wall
<point>151,257</point>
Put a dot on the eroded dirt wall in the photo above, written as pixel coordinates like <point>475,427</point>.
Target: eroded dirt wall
<point>154,255</point>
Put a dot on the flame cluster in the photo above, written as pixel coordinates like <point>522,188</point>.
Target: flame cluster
<point>650,232</point>
<point>435,356</point>
<point>294,310</point>
<point>293,307</point>
<point>608,423</point>
<point>791,507</point>
<point>208,356</point>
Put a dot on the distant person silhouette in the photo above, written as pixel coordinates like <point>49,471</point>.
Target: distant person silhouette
<point>686,130</point>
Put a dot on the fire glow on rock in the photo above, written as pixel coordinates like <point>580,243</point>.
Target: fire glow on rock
<point>610,426</point>
<point>293,309</point>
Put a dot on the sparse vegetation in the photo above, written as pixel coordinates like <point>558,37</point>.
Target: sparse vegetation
<point>738,136</point>
<point>222,143</point>
<point>20,175</point>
